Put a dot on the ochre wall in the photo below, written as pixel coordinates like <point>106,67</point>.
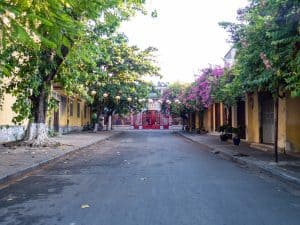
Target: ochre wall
<point>79,121</point>
<point>207,119</point>
<point>222,119</point>
<point>234,116</point>
<point>293,124</point>
<point>214,118</point>
<point>197,120</point>
<point>64,112</point>
<point>252,118</point>
<point>282,123</point>
<point>6,112</point>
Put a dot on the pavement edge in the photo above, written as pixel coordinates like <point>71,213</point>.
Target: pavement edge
<point>267,169</point>
<point>22,173</point>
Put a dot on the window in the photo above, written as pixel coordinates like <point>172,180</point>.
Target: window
<point>71,108</point>
<point>63,101</point>
<point>78,109</point>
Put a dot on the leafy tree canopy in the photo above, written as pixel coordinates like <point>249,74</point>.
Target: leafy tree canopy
<point>268,43</point>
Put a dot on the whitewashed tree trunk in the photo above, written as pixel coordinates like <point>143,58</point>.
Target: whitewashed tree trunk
<point>109,122</point>
<point>31,132</point>
<point>42,135</point>
<point>37,135</point>
<point>96,127</point>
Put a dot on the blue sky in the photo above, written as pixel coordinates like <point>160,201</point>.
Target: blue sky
<point>186,34</point>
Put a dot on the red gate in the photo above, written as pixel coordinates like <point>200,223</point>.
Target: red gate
<point>151,119</point>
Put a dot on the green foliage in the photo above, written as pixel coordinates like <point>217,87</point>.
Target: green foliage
<point>46,41</point>
<point>228,88</point>
<point>119,70</point>
<point>268,43</point>
<point>176,93</point>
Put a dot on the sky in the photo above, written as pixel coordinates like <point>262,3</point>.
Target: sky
<point>186,34</point>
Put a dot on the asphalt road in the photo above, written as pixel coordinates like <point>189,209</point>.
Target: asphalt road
<point>143,178</point>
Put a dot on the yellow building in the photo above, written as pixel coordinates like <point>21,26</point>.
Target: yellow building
<point>215,116</point>
<point>8,130</point>
<point>260,121</point>
<point>256,115</point>
<point>72,114</point>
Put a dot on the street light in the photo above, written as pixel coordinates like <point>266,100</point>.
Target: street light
<point>105,95</point>
<point>129,99</point>
<point>93,92</point>
<point>168,102</point>
<point>118,97</point>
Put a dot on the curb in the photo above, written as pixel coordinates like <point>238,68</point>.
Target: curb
<point>24,172</point>
<point>267,169</point>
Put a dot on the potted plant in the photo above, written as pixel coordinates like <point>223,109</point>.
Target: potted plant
<point>224,135</point>
<point>236,138</point>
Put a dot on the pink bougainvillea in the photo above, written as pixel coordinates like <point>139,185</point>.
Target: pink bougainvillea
<point>198,95</point>
<point>201,89</point>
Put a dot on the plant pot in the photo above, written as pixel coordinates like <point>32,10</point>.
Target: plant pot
<point>236,140</point>
<point>223,137</point>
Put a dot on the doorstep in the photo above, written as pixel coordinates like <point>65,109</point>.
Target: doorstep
<point>263,147</point>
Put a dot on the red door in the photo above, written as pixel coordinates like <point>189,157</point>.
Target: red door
<point>151,120</point>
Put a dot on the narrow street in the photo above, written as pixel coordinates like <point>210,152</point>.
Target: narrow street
<point>147,178</point>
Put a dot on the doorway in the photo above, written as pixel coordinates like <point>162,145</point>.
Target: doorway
<point>217,116</point>
<point>56,120</point>
<point>267,118</point>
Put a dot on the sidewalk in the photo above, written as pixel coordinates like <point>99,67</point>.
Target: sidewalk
<point>287,170</point>
<point>17,161</point>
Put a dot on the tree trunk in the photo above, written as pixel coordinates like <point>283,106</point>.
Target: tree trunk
<point>276,103</point>
<point>99,114</point>
<point>109,123</point>
<point>37,133</point>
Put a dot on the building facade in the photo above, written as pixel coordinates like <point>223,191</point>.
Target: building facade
<point>71,114</point>
<point>254,113</point>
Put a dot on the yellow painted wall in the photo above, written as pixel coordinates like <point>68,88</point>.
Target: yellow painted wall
<point>74,120</point>
<point>65,118</point>
<point>293,124</point>
<point>222,119</point>
<point>252,117</point>
<point>214,117</point>
<point>197,120</point>
<point>282,123</point>
<point>6,113</point>
<point>207,117</point>
<point>234,116</point>
<point>85,120</point>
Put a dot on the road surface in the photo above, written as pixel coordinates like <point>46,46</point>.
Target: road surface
<point>147,178</point>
